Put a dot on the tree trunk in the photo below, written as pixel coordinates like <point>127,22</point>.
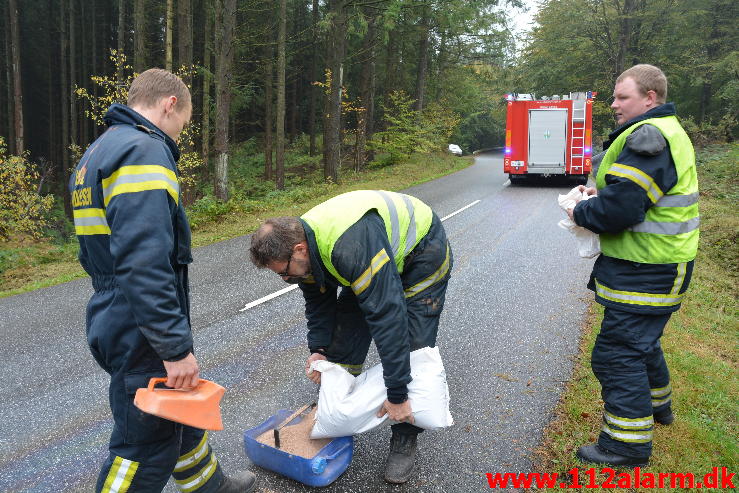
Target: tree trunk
<point>9,84</point>
<point>184,34</point>
<point>207,53</point>
<point>15,48</point>
<point>624,35</point>
<point>225,27</point>
<point>268,118</point>
<point>280,116</point>
<point>336,46</point>
<point>313,89</point>
<point>168,42</point>
<point>366,94</point>
<point>73,120</point>
<point>64,103</point>
<point>139,36</point>
<point>423,56</point>
<point>121,36</point>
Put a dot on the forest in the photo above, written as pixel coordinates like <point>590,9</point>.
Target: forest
<point>286,89</point>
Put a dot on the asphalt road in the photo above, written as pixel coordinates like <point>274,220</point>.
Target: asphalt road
<point>509,329</point>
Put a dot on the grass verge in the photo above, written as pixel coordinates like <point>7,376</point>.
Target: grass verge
<point>700,345</point>
<point>29,265</point>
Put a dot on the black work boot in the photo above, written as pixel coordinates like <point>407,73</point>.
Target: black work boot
<point>664,417</point>
<point>399,464</point>
<point>596,454</point>
<point>241,482</point>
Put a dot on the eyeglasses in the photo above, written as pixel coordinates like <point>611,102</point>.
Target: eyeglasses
<point>284,273</point>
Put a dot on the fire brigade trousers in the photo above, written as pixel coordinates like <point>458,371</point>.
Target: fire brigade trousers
<point>146,450</point>
<point>627,359</point>
<point>350,340</point>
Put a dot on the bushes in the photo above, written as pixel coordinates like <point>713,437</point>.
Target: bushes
<point>22,209</point>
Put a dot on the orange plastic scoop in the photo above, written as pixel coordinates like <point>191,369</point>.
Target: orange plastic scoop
<point>198,407</point>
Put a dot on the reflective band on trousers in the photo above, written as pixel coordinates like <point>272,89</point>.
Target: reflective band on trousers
<point>677,200</point>
<point>430,280</point>
<point>662,228</point>
<point>633,423</point>
<point>120,476</point>
<point>636,298</point>
<point>628,436</point>
<point>191,458</point>
<point>197,480</point>
<point>661,391</point>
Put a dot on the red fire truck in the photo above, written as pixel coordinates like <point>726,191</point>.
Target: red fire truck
<point>549,136</point>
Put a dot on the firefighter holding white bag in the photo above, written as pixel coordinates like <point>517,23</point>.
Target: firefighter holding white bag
<point>388,257</point>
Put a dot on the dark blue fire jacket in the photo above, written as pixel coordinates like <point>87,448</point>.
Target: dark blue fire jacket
<point>134,243</point>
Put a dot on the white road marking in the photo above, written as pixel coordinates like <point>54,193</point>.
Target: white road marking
<point>295,286</point>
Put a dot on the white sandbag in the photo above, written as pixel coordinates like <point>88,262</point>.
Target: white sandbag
<point>348,405</point>
<point>588,243</point>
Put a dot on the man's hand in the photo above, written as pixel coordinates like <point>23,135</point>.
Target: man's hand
<point>590,191</point>
<point>183,374</point>
<point>314,376</point>
<point>397,412</point>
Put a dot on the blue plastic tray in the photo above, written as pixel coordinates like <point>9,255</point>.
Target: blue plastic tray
<point>323,469</point>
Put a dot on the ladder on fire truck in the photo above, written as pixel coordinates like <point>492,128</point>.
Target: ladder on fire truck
<point>577,145</point>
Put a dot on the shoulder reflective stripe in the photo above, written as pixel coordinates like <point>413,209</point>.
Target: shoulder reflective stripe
<point>197,480</point>
<point>633,423</point>
<point>639,177</point>
<point>430,280</point>
<point>365,279</point>
<point>410,237</point>
<point>661,228</point>
<point>625,436</point>
<point>90,221</point>
<point>661,391</point>
<point>677,200</point>
<point>186,461</point>
<point>139,178</point>
<point>394,222</point>
<point>120,476</point>
<point>679,278</point>
<point>636,298</point>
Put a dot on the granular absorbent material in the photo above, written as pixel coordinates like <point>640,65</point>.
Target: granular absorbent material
<point>295,439</point>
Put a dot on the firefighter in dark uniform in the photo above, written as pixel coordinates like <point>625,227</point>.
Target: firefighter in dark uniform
<point>135,245</point>
<point>388,256</point>
<point>645,209</point>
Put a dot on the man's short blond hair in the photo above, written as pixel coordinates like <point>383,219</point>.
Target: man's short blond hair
<point>647,78</point>
<point>154,84</point>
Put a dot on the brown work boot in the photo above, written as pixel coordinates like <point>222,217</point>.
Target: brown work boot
<point>241,482</point>
<point>399,464</point>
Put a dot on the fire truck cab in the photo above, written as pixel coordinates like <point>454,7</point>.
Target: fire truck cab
<point>549,136</point>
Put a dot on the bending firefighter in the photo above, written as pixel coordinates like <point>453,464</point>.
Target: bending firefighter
<point>388,256</point>
<point>645,209</point>
<point>135,245</point>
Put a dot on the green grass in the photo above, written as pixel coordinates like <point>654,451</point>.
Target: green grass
<point>28,265</point>
<point>700,345</point>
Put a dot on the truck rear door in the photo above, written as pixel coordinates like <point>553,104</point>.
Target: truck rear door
<point>547,141</point>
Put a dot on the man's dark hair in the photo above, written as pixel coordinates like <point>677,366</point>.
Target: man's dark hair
<point>275,239</point>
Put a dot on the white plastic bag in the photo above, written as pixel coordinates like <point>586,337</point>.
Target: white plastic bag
<point>588,243</point>
<point>348,405</point>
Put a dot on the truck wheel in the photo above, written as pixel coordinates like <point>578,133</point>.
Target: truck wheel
<point>580,179</point>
